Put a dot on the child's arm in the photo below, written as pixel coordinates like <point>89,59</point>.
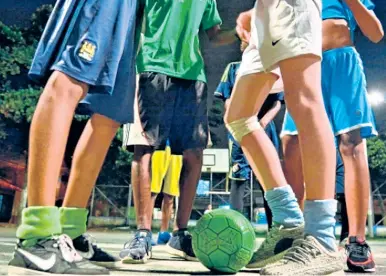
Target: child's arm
<point>367,21</point>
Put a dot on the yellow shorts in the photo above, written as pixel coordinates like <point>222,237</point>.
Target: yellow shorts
<point>166,166</point>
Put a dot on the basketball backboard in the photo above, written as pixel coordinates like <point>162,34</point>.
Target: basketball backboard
<point>216,161</point>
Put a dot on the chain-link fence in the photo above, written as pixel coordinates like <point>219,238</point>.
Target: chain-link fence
<point>111,205</point>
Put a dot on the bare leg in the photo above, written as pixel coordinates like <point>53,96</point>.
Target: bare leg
<point>48,136</point>
<point>153,199</point>
<point>141,179</point>
<point>249,94</point>
<point>293,168</point>
<point>356,181</point>
<point>167,208</point>
<point>301,77</point>
<point>89,156</point>
<point>190,175</point>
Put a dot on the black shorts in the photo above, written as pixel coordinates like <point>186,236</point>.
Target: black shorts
<point>174,109</point>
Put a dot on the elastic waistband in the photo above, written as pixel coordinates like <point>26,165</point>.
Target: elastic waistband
<point>346,49</point>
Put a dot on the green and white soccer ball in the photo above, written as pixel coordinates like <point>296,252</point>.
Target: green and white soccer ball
<point>224,241</point>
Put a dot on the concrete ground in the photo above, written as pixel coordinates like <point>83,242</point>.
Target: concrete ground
<point>162,263</point>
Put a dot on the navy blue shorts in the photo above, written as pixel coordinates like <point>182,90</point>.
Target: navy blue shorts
<point>95,42</point>
<point>173,109</point>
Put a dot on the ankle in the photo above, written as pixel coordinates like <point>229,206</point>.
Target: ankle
<point>180,231</point>
<point>356,239</point>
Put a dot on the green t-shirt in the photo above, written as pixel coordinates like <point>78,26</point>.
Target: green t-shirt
<point>171,44</point>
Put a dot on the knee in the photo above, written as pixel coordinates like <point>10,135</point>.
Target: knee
<point>62,89</point>
<point>351,149</point>
<point>242,127</point>
<point>168,199</point>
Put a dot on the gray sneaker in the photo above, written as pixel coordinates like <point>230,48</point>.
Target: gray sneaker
<point>138,250</point>
<point>275,245</point>
<point>55,255</point>
<point>180,244</point>
<point>307,257</point>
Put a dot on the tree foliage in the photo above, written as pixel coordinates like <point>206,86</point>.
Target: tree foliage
<point>18,98</point>
<point>376,150</point>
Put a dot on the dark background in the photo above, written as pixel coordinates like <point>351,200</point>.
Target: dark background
<point>374,55</point>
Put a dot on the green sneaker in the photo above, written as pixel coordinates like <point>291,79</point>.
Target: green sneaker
<point>275,245</point>
<point>307,257</point>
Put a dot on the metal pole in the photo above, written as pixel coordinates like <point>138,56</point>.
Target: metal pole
<point>251,195</point>
<point>92,204</point>
<point>129,204</point>
<point>210,189</point>
<point>370,212</point>
<point>370,216</point>
<point>176,209</point>
<point>127,219</point>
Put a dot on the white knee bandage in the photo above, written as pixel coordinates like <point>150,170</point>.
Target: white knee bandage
<point>242,127</point>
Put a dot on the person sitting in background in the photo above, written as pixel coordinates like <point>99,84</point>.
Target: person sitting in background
<point>208,209</point>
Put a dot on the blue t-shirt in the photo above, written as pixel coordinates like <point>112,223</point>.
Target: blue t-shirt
<point>240,168</point>
<point>337,9</point>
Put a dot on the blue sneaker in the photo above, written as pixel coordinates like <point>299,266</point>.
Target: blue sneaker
<point>153,242</point>
<point>163,237</point>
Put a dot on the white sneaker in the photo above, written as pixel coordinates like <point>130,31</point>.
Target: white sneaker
<point>275,245</point>
<point>307,257</point>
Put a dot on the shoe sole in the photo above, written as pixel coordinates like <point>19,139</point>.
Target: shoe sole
<point>128,260</point>
<point>268,261</point>
<point>18,271</point>
<point>107,264</point>
<point>358,268</point>
<point>180,253</point>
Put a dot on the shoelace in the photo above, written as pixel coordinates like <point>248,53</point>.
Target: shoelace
<point>137,243</point>
<point>359,249</point>
<point>301,252</point>
<point>66,247</point>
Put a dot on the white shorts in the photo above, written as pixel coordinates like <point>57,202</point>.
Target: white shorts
<point>133,133</point>
<point>286,29</point>
<point>133,136</point>
<point>251,64</point>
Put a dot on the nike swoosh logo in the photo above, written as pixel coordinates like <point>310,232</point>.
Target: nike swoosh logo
<point>275,42</point>
<point>44,264</point>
